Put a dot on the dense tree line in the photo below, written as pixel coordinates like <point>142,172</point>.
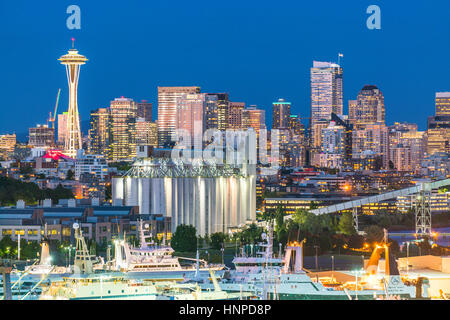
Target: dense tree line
<point>12,190</point>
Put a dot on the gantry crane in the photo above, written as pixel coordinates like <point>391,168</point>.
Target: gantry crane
<point>52,119</point>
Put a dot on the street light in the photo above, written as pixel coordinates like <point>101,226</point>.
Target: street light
<point>332,268</point>
<point>317,259</point>
<point>407,257</point>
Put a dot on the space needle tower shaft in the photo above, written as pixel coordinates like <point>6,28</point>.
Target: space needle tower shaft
<point>73,62</point>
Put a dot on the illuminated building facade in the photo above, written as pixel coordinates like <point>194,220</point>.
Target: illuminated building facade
<point>7,145</point>
<point>373,138</point>
<point>73,62</point>
<point>438,133</point>
<point>122,129</point>
<point>211,198</point>
<point>146,133</point>
<point>254,118</point>
<point>400,157</point>
<point>442,103</point>
<point>98,132</point>
<point>167,111</point>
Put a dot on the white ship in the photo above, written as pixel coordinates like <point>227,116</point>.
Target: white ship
<point>99,288</point>
<point>272,278</point>
<point>149,257</point>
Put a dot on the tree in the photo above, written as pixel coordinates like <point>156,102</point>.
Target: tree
<point>346,224</point>
<point>70,175</point>
<point>184,239</point>
<point>217,239</point>
<point>374,234</point>
<point>251,234</point>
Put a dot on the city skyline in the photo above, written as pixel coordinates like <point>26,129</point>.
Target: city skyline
<point>251,84</point>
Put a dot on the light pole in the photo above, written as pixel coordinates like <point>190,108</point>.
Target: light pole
<point>317,258</point>
<point>222,253</point>
<point>332,268</point>
<point>407,257</point>
<point>18,247</point>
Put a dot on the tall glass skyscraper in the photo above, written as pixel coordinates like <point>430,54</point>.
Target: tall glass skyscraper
<point>326,95</point>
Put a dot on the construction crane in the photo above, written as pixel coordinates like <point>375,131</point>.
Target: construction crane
<point>52,119</point>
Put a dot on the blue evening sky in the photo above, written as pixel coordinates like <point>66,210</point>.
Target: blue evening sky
<point>258,51</point>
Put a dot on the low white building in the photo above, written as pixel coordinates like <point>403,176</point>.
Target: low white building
<point>91,163</point>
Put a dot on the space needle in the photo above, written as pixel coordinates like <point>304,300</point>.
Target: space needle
<point>73,62</point>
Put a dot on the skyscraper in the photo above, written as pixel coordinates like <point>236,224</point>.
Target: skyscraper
<point>146,133</point>
<point>281,114</point>
<point>98,132</point>
<point>144,110</point>
<point>190,116</point>
<point>326,96</point>
<point>255,118</point>
<point>73,62</point>
<point>167,111</point>
<point>235,115</point>
<point>122,129</point>
<point>369,107</point>
<point>443,103</point>
<point>438,133</point>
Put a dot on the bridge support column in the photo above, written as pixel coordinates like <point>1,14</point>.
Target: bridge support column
<point>423,213</point>
<point>355,218</point>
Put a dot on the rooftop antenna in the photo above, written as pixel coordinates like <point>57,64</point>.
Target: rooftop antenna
<point>340,55</point>
<point>73,43</point>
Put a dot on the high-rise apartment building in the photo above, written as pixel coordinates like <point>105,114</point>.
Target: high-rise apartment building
<point>281,114</point>
<point>122,129</point>
<point>41,136</point>
<point>400,157</point>
<point>167,111</point>
<point>99,131</point>
<point>374,138</point>
<point>333,146</point>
